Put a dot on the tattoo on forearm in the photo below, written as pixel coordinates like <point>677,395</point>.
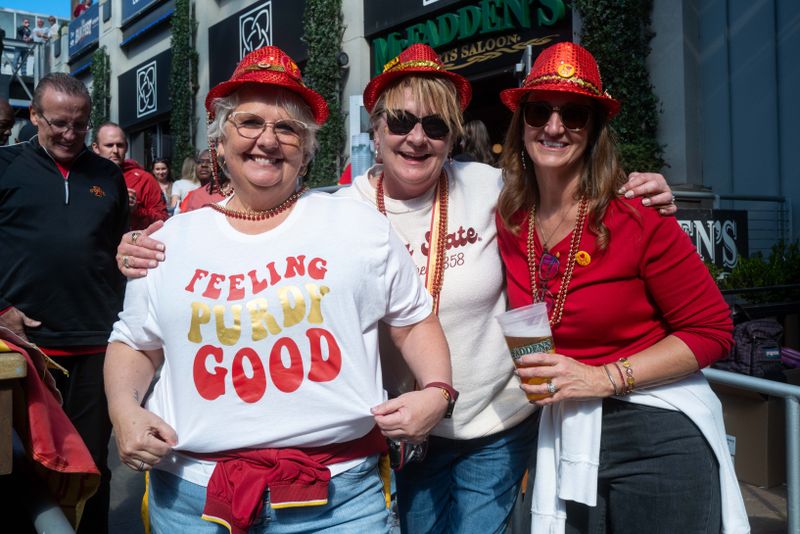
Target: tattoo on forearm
<point>136,395</point>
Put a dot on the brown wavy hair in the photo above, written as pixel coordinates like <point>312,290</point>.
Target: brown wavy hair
<point>601,175</point>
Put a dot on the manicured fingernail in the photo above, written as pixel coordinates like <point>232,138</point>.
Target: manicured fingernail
<point>621,191</point>
<point>160,257</point>
<point>152,263</point>
<point>646,202</point>
<point>160,247</point>
<point>628,194</point>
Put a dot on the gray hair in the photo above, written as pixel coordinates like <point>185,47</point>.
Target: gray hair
<point>293,104</point>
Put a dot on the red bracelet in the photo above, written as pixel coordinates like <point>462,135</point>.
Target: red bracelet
<point>448,392</point>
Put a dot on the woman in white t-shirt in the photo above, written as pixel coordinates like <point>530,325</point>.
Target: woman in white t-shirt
<point>264,321</point>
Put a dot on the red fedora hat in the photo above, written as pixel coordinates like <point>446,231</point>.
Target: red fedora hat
<point>270,65</point>
<point>564,68</point>
<point>417,59</point>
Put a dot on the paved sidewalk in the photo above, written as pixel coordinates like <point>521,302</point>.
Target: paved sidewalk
<point>127,488</point>
<point>766,508</point>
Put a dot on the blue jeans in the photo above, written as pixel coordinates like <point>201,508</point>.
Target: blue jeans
<point>657,475</point>
<point>466,485</point>
<point>21,59</point>
<point>356,505</point>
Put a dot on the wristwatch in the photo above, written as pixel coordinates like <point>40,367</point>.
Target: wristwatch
<point>449,394</point>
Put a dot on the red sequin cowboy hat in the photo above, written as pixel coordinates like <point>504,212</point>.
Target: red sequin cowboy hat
<point>417,59</point>
<point>563,68</point>
<point>270,65</point>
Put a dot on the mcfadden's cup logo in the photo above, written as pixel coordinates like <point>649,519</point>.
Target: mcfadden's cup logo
<point>255,29</point>
<point>146,89</point>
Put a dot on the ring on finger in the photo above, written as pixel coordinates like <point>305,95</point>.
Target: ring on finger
<point>134,237</point>
<point>552,389</point>
<point>141,466</point>
<point>672,201</point>
<point>125,262</point>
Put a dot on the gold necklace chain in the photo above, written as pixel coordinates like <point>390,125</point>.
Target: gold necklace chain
<point>561,297</point>
<point>443,197</point>
<point>546,240</point>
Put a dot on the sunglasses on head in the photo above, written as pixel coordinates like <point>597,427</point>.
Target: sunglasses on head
<point>401,122</point>
<point>573,116</point>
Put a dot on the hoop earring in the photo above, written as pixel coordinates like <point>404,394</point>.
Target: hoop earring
<point>522,157</point>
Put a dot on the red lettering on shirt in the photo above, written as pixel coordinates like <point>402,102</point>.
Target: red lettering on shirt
<point>209,385</point>
<point>286,379</point>
<point>323,370</point>
<point>248,389</point>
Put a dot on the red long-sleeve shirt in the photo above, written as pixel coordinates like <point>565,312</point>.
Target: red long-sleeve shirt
<point>648,283</point>
<point>150,206</point>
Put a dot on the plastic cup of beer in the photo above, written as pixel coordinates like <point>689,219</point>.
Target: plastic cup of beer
<point>527,330</point>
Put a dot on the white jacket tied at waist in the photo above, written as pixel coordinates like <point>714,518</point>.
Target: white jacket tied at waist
<point>569,451</point>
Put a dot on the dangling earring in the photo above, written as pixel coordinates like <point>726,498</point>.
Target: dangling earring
<point>522,157</point>
<point>214,167</point>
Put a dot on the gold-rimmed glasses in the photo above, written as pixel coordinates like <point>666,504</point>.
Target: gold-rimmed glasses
<point>251,126</point>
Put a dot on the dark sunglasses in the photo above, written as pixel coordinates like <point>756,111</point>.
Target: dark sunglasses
<point>401,122</point>
<point>573,116</point>
<point>548,270</point>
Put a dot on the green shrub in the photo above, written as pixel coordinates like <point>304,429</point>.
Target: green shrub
<point>618,34</point>
<point>781,268</point>
<point>323,30</point>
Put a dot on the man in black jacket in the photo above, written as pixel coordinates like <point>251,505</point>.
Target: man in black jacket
<point>63,209</point>
<point>21,50</point>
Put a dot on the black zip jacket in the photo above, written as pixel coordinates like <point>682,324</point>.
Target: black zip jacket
<point>58,239</point>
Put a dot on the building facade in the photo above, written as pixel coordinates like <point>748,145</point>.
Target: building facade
<point>724,71</point>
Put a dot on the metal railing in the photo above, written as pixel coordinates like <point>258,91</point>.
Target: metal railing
<point>791,397</point>
<point>769,217</point>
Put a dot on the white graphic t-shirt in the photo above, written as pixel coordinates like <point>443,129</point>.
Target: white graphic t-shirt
<point>271,340</point>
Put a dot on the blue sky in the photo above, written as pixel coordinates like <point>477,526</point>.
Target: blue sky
<point>59,8</point>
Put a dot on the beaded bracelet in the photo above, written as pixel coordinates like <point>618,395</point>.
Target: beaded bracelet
<point>611,379</point>
<point>630,382</point>
<point>621,377</point>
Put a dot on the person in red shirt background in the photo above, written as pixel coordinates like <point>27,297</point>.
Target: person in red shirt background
<point>81,7</point>
<point>207,193</point>
<point>144,194</point>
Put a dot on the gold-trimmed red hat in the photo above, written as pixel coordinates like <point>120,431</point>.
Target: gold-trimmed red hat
<point>563,68</point>
<point>415,60</point>
<point>270,65</point>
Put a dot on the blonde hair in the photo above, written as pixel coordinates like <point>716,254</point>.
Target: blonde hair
<point>187,170</point>
<point>434,94</point>
<point>601,175</point>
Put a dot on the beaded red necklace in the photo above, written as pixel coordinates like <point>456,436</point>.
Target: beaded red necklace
<point>434,276</point>
<point>261,215</point>
<point>561,297</point>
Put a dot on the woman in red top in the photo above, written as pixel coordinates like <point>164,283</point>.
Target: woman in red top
<point>634,315</point>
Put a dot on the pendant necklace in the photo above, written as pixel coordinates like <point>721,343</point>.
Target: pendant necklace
<point>561,296</point>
